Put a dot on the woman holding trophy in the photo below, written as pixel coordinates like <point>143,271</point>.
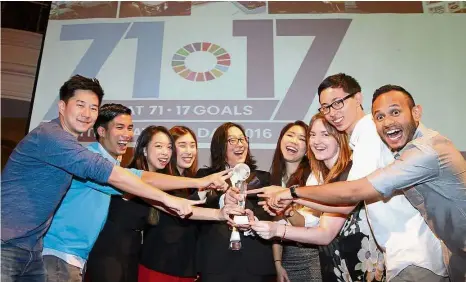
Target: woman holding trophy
<point>218,259</point>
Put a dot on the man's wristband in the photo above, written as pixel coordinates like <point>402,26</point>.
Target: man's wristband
<point>293,191</point>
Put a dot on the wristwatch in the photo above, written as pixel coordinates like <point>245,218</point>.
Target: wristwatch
<point>293,191</point>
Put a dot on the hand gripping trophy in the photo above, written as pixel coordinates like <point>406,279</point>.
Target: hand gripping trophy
<point>241,172</point>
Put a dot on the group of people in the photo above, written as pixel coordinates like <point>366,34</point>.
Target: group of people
<point>71,213</point>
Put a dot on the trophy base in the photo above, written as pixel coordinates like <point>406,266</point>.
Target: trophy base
<point>241,219</point>
<point>235,245</point>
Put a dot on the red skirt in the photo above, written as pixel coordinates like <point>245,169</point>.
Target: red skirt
<point>148,275</point>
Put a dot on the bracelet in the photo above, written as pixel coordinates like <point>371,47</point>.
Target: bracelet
<point>284,233</point>
<point>277,260</point>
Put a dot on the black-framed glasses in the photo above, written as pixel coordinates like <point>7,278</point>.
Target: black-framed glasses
<point>234,141</point>
<point>336,105</point>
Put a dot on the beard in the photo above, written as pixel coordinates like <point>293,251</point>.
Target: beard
<point>410,129</point>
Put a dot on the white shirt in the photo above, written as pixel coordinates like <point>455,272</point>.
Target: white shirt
<point>397,226</point>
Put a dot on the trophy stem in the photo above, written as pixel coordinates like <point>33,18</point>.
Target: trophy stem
<point>235,240</point>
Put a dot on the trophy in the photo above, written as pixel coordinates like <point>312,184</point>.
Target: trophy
<point>241,172</point>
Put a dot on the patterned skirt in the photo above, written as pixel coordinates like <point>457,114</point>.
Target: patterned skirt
<point>301,262</point>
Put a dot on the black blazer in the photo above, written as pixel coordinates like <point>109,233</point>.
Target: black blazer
<point>213,254</point>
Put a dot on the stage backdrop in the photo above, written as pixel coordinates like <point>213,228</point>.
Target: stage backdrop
<point>200,64</point>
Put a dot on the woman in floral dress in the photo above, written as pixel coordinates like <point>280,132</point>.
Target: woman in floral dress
<point>353,255</point>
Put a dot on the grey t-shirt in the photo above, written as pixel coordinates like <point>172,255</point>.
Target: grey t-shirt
<point>432,174</point>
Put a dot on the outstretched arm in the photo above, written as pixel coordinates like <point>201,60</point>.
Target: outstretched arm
<point>345,192</point>
<point>330,225</point>
<point>279,198</point>
<point>338,193</point>
<point>168,182</point>
<point>200,213</point>
<point>324,208</point>
<point>128,182</point>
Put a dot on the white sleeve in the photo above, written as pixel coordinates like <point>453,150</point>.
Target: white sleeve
<point>250,232</point>
<point>311,180</point>
<point>221,201</point>
<point>311,217</point>
<point>368,155</point>
<point>202,194</point>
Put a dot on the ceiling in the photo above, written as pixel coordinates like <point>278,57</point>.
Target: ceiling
<point>26,15</point>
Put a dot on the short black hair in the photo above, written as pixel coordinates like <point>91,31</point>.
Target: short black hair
<point>340,80</point>
<point>78,82</point>
<point>390,87</point>
<point>107,113</point>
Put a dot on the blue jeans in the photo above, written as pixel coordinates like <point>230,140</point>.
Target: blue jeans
<point>58,270</point>
<point>19,265</point>
<point>457,267</point>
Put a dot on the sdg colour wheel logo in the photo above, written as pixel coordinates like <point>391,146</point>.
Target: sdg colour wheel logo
<point>198,55</point>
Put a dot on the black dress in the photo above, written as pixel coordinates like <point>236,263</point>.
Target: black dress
<point>170,246</point>
<point>352,255</point>
<point>115,255</point>
<point>215,262</point>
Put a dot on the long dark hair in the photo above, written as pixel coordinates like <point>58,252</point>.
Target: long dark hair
<point>218,148</point>
<point>139,161</point>
<point>319,169</point>
<point>278,168</point>
<point>177,132</point>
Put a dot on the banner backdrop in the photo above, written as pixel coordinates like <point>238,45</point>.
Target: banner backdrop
<point>201,64</point>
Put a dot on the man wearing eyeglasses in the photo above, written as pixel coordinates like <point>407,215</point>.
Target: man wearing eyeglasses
<point>412,252</point>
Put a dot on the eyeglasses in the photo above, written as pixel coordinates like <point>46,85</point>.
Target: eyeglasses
<point>234,140</point>
<point>336,105</point>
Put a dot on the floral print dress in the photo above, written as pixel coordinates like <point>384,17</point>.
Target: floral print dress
<point>353,255</point>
